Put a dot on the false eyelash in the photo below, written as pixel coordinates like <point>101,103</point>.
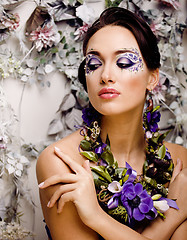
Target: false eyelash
<point>131,61</point>
<point>90,65</point>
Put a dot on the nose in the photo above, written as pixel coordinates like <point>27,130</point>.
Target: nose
<point>107,75</point>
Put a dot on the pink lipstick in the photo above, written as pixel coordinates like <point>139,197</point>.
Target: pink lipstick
<point>108,93</point>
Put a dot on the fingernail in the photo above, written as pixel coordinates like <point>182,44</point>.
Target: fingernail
<point>48,205</point>
<point>57,149</point>
<point>41,184</point>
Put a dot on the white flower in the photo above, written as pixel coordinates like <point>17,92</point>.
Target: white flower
<point>115,187</point>
<point>161,205</point>
<point>49,68</point>
<point>15,163</point>
<point>179,140</point>
<point>148,134</point>
<point>86,13</point>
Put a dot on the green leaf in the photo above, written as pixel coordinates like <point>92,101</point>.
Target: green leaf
<point>163,136</point>
<point>99,181</point>
<point>90,155</point>
<point>170,167</point>
<point>63,40</point>
<point>72,50</point>
<point>162,152</point>
<point>102,171</point>
<point>145,166</point>
<point>85,145</point>
<point>43,60</point>
<point>108,157</point>
<point>108,143</point>
<point>66,46</point>
<point>156,108</point>
<point>125,178</point>
<point>54,50</point>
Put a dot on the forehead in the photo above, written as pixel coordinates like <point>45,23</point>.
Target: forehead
<point>112,38</point>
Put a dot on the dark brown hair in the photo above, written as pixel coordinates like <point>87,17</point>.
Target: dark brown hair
<point>145,38</point>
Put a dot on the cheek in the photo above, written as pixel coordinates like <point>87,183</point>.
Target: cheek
<point>134,81</point>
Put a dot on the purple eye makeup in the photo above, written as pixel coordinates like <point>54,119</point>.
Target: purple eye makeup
<point>92,63</point>
<point>130,60</point>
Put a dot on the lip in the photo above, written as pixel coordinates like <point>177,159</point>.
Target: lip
<point>107,93</point>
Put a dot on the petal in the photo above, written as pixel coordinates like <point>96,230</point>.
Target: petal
<point>113,202</point>
<point>114,187</point>
<point>171,203</point>
<point>138,188</point>
<point>144,208</point>
<point>152,214</point>
<point>148,116</point>
<point>128,208</point>
<point>130,194</point>
<point>148,201</point>
<point>138,215</point>
<point>144,194</point>
<point>161,206</point>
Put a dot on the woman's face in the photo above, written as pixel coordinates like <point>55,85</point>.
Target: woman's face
<point>116,74</point>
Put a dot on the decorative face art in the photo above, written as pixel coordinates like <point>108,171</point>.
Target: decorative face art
<point>129,59</point>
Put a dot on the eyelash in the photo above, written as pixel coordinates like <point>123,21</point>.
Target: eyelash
<point>124,64</point>
<point>127,63</point>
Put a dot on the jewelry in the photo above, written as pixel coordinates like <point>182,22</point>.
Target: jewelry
<point>121,193</point>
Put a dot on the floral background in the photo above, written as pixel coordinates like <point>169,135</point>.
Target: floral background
<point>51,41</point>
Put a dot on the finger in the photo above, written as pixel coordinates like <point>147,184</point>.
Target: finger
<point>86,165</point>
<point>177,170</point>
<point>58,193</point>
<point>66,197</point>
<point>55,179</point>
<point>77,168</point>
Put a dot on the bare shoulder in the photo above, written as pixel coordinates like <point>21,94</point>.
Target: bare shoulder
<point>177,151</point>
<point>49,164</point>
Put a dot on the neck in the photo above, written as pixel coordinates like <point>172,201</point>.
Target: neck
<point>126,137</point>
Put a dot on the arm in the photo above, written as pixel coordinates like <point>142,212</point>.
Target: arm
<point>102,223</point>
<point>68,224</point>
<point>175,223</point>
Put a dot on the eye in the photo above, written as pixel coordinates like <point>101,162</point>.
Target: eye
<point>92,63</point>
<point>124,62</point>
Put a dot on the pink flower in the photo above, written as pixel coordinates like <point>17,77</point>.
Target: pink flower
<point>159,90</point>
<point>10,21</point>
<point>171,3</point>
<point>44,37</point>
<point>80,32</point>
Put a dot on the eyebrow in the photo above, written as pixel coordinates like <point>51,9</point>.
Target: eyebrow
<point>120,51</point>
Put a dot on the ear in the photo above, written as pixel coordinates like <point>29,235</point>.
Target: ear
<point>153,79</point>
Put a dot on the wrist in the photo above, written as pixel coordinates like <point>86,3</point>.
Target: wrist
<point>97,218</point>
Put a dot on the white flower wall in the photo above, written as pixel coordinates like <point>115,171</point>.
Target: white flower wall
<point>41,99</point>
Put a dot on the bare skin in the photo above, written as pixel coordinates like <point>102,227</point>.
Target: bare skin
<point>65,173</point>
<point>69,218</point>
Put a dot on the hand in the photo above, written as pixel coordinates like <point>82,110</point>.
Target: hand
<point>77,187</point>
<point>177,170</point>
<point>177,188</point>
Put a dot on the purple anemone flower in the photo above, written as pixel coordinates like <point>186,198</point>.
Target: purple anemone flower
<point>152,120</point>
<point>137,201</point>
<point>132,173</point>
<point>90,115</point>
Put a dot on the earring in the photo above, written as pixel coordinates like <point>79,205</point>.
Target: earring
<point>150,100</point>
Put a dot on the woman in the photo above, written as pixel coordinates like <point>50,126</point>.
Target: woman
<point>120,67</point>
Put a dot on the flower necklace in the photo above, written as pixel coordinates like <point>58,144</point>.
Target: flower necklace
<point>129,198</point>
